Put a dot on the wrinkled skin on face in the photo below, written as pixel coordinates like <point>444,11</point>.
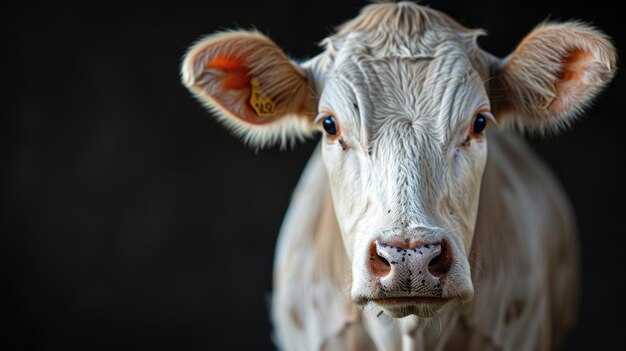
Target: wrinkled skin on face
<point>410,167</point>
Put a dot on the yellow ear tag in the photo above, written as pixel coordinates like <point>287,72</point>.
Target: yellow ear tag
<point>550,99</point>
<point>261,103</point>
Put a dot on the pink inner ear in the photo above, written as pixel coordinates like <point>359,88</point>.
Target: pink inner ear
<point>234,88</point>
<point>236,75</point>
<point>572,84</point>
<point>574,65</point>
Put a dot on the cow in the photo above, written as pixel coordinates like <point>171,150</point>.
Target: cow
<point>422,220</point>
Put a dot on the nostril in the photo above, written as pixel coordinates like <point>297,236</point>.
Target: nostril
<point>379,266</point>
<point>440,264</point>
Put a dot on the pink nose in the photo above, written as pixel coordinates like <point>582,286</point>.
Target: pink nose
<point>410,271</point>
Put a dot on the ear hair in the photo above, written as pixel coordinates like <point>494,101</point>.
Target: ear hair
<point>553,75</point>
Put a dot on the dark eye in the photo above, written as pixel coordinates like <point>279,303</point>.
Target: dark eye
<point>480,123</point>
<point>330,126</point>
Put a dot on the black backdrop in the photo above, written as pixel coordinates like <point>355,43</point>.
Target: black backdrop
<point>130,218</point>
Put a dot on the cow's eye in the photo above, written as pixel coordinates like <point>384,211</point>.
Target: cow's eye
<point>330,125</point>
<point>480,123</point>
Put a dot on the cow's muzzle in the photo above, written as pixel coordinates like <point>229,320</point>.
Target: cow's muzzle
<point>410,271</point>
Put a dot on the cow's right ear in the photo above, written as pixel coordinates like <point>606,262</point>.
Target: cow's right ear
<point>252,87</point>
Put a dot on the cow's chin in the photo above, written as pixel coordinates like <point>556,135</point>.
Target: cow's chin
<point>399,307</point>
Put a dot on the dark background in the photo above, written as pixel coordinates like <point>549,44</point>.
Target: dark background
<point>123,203</point>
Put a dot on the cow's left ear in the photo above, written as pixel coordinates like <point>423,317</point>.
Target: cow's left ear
<point>251,86</point>
<point>552,75</point>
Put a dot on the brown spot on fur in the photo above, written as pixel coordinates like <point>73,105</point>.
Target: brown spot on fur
<point>514,311</point>
<point>295,317</point>
<point>332,260</point>
<point>352,336</point>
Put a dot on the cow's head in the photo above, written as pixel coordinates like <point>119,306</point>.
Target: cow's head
<point>403,96</point>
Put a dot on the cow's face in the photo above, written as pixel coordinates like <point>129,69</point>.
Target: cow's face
<point>404,147</point>
<point>402,95</point>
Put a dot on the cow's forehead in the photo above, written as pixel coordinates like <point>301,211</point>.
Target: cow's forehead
<point>433,93</point>
<point>415,65</point>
